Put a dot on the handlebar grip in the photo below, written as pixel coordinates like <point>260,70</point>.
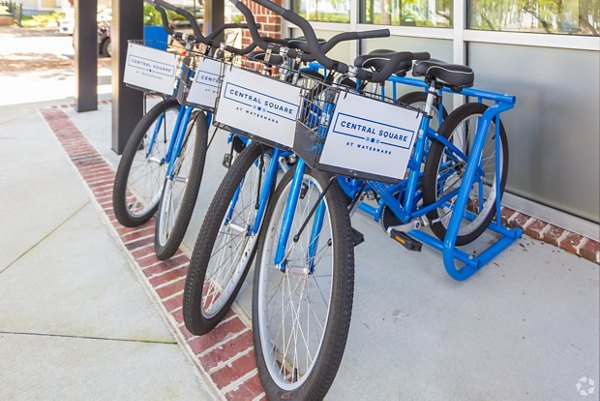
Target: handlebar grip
<point>377,33</point>
<point>163,17</point>
<point>187,15</point>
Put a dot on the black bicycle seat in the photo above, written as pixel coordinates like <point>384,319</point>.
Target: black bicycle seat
<point>455,75</point>
<point>377,59</point>
<point>275,59</point>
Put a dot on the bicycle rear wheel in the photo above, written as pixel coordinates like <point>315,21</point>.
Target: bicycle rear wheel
<point>225,247</point>
<point>301,316</point>
<point>419,100</point>
<point>140,176</point>
<point>444,171</point>
<point>180,193</point>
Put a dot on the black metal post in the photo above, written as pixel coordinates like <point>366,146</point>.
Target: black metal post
<point>86,55</point>
<point>214,15</point>
<point>127,103</point>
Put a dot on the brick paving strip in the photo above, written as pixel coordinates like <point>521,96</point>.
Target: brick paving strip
<point>225,355</point>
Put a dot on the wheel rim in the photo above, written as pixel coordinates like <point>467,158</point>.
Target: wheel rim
<point>482,195</point>
<point>294,305</point>
<point>175,187</point>
<point>234,245</point>
<point>146,176</point>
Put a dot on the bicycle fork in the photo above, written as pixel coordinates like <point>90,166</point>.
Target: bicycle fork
<point>318,210</point>
<point>176,142</point>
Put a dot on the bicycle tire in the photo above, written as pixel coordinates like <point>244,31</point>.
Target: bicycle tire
<point>439,218</point>
<point>199,317</point>
<point>419,99</point>
<point>127,188</point>
<point>319,375</point>
<point>167,239</point>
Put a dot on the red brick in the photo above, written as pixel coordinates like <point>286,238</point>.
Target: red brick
<point>231,372</point>
<point>98,172</point>
<point>590,250</point>
<point>127,230</point>
<point>507,213</point>
<point>220,333</point>
<point>147,251</point>
<point>519,220</point>
<point>106,183</point>
<point>103,182</point>
<point>173,303</point>
<point>535,228</point>
<point>227,350</point>
<point>138,234</point>
<point>571,242</point>
<point>171,288</point>
<point>271,27</point>
<point>178,315</point>
<point>156,269</point>
<point>165,266</point>
<point>139,243</point>
<point>105,198</point>
<point>148,260</point>
<point>553,234</point>
<point>186,334</point>
<point>102,191</point>
<point>168,276</point>
<point>248,390</point>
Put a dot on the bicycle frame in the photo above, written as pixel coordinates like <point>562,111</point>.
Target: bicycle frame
<point>178,135</point>
<point>409,192</point>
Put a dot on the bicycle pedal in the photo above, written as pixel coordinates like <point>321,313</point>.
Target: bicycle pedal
<point>227,159</point>
<point>406,240</point>
<point>357,237</point>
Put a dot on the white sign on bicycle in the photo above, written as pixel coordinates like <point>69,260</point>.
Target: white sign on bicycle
<point>150,69</point>
<point>370,136</point>
<point>205,88</point>
<point>258,105</point>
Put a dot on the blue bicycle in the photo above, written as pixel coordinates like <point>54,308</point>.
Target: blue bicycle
<point>163,161</point>
<point>303,238</point>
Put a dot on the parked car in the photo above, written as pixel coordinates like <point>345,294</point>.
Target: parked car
<point>67,23</point>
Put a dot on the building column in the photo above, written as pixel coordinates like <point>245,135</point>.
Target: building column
<point>127,103</point>
<point>214,16</point>
<point>86,55</point>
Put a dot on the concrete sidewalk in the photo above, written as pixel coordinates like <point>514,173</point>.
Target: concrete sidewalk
<point>75,323</point>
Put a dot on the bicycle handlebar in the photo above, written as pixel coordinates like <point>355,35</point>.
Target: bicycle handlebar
<point>198,36</point>
<point>186,14</point>
<point>318,53</point>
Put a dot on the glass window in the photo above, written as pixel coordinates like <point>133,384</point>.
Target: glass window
<point>323,10</point>
<point>575,17</point>
<point>429,13</point>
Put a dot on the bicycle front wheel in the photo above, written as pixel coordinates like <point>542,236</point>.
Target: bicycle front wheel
<point>141,173</point>
<point>180,192</point>
<point>226,243</point>
<point>444,170</point>
<point>301,313</point>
